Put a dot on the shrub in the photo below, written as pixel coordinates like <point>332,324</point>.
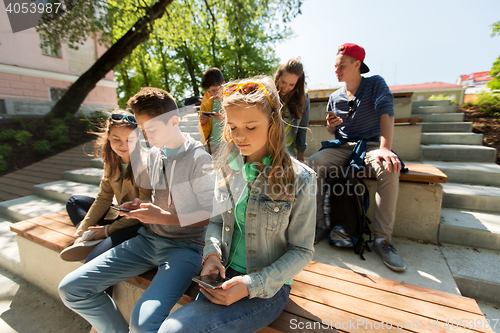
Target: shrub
<point>42,147</point>
<point>466,105</point>
<point>60,129</point>
<point>22,137</point>
<point>488,97</point>
<point>3,164</point>
<point>8,134</point>
<point>5,150</point>
<point>62,141</point>
<point>88,125</point>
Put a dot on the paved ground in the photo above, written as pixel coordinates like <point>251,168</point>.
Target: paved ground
<point>25,308</point>
<point>20,183</point>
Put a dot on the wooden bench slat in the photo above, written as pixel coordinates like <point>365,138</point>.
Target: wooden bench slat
<point>282,324</point>
<point>61,217</point>
<point>396,121</point>
<point>320,312</point>
<point>53,226</point>
<point>386,298</point>
<point>349,305</point>
<point>41,235</point>
<point>401,288</point>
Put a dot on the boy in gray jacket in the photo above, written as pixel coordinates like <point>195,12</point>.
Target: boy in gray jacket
<point>172,238</point>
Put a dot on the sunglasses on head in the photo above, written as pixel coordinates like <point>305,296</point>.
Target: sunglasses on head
<point>246,88</point>
<point>350,104</point>
<point>120,117</point>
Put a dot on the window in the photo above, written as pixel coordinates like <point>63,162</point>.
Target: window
<point>3,109</point>
<point>50,47</point>
<point>315,95</point>
<point>57,93</point>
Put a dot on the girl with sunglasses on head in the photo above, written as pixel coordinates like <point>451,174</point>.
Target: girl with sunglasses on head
<point>290,82</point>
<point>261,232</point>
<point>116,145</point>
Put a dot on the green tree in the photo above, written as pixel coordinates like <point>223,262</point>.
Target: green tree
<point>92,18</point>
<point>495,70</point>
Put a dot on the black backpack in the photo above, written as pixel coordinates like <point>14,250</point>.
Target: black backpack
<point>348,200</point>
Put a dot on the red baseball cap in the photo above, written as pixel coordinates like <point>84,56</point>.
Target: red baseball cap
<point>355,51</point>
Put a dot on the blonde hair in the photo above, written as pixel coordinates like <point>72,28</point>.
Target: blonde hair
<point>112,162</point>
<point>275,138</point>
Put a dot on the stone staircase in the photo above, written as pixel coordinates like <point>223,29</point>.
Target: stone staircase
<point>470,215</point>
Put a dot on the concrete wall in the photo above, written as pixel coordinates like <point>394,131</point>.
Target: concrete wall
<point>423,95</point>
<point>418,210</point>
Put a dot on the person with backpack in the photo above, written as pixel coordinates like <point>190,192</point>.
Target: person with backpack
<point>362,119</point>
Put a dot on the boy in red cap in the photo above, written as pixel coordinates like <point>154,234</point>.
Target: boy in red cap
<point>364,117</point>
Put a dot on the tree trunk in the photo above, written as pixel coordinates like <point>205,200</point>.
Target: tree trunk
<point>140,32</point>
<point>164,65</point>
<point>190,68</point>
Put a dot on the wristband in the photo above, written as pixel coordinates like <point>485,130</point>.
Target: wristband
<point>211,254</point>
<point>106,230</point>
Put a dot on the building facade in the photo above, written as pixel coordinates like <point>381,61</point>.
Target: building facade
<point>35,72</point>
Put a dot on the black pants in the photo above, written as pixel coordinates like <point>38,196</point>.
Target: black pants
<point>78,207</point>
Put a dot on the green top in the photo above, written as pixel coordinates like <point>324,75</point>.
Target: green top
<point>217,126</point>
<point>238,261</point>
<point>171,152</point>
<point>238,249</point>
<point>124,167</point>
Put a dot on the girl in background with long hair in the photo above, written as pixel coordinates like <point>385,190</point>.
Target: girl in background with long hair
<point>290,80</point>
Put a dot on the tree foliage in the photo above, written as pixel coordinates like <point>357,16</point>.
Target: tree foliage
<point>238,36</point>
<point>495,70</point>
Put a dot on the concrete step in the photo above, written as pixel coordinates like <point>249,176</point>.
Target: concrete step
<point>27,207</point>
<point>96,163</point>
<point>437,117</point>
<point>447,127</point>
<point>457,153</point>
<point>475,271</point>
<point>189,121</point>
<point>470,228</point>
<point>188,128</point>
<point>86,175</point>
<point>444,102</point>
<point>470,172</point>
<point>9,252</point>
<point>433,109</point>
<point>62,190</point>
<point>452,138</point>
<point>471,197</point>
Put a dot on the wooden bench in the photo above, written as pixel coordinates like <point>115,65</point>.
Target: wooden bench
<point>322,296</point>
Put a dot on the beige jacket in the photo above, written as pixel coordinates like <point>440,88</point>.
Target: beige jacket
<point>123,191</point>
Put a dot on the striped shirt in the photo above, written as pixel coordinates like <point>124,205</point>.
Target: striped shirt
<point>372,99</point>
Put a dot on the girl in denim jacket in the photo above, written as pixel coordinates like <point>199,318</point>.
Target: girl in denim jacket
<point>261,232</point>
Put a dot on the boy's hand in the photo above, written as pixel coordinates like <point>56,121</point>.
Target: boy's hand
<point>219,116</point>
<point>204,118</point>
<point>332,121</point>
<point>393,164</point>
<point>148,213</point>
<point>131,205</point>
<point>231,291</point>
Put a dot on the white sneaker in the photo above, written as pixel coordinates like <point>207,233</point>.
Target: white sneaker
<point>80,251</point>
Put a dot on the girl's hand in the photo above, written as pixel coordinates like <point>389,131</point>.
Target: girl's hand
<point>78,240</point>
<point>213,266</point>
<point>148,213</point>
<point>99,233</point>
<point>231,292</point>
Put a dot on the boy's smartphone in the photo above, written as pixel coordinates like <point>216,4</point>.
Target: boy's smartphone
<point>120,209</point>
<point>331,113</point>
<point>212,281</point>
<point>209,113</point>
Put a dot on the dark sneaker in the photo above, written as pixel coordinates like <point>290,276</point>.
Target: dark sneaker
<point>389,256</point>
<point>321,233</point>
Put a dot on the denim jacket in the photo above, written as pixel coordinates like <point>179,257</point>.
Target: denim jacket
<point>279,234</point>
